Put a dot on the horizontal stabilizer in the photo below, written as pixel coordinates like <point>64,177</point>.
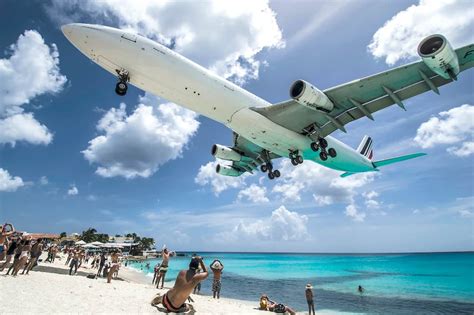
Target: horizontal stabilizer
<point>347,174</point>
<point>397,159</point>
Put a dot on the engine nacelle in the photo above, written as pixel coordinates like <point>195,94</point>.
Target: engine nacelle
<point>227,170</point>
<point>439,56</point>
<point>310,96</point>
<point>225,153</point>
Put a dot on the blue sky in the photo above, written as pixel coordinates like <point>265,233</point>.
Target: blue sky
<point>55,100</point>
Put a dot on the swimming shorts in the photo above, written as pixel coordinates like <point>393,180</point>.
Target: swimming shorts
<point>216,285</point>
<point>170,307</point>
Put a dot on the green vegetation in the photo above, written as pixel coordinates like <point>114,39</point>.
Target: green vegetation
<point>90,235</point>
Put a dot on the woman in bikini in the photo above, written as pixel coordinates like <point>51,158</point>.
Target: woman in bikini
<point>24,256</point>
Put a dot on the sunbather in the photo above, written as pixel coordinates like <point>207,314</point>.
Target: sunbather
<point>174,300</point>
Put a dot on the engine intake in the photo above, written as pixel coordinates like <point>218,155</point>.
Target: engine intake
<point>227,170</point>
<point>438,54</point>
<point>225,153</point>
<point>307,95</point>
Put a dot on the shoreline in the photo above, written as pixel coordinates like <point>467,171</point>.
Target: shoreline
<point>50,289</point>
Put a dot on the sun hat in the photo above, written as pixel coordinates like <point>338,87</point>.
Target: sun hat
<point>309,286</point>
<point>216,264</point>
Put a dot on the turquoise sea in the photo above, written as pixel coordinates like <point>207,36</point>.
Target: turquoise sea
<point>425,283</point>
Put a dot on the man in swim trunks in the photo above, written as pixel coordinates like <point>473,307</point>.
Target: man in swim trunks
<point>114,267</point>
<point>174,300</point>
<point>216,268</point>
<point>165,254</point>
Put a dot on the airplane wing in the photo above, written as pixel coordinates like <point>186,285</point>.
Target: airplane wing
<point>252,154</point>
<point>362,97</point>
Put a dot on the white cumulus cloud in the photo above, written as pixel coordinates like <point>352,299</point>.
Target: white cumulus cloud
<point>354,213</point>
<point>32,69</point>
<point>454,127</point>
<point>136,145</point>
<point>230,33</point>
<point>73,191</point>
<point>399,37</point>
<point>207,176</point>
<point>254,193</point>
<point>283,225</point>
<point>8,182</point>
<point>326,185</point>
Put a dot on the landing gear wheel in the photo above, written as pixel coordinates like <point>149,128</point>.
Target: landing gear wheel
<point>121,88</point>
<point>323,143</point>
<point>314,146</point>
<point>269,166</point>
<point>271,175</point>
<point>276,173</point>
<point>294,162</point>
<point>299,159</point>
<point>323,155</point>
<point>264,168</point>
<point>332,152</point>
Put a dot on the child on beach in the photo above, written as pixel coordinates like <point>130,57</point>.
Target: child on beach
<point>216,268</point>
<point>309,298</point>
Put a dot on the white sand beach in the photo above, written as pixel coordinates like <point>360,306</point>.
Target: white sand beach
<point>49,289</point>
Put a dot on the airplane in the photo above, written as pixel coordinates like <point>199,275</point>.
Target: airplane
<point>299,128</point>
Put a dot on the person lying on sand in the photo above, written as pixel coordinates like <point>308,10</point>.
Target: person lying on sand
<point>174,300</point>
<point>268,305</point>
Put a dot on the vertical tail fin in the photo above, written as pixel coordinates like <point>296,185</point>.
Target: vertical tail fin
<point>365,147</point>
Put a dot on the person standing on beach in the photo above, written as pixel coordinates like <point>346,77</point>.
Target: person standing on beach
<point>69,255</point>
<point>74,262</point>
<point>216,268</point>
<point>309,298</point>
<point>23,259</point>
<point>3,238</point>
<point>36,251</point>
<point>101,263</point>
<point>10,252</point>
<point>165,254</point>
<point>157,271</point>
<point>174,300</point>
<point>114,267</point>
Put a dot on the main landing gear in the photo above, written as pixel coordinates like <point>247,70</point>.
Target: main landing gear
<point>322,144</point>
<point>121,87</point>
<point>295,158</point>
<point>268,167</point>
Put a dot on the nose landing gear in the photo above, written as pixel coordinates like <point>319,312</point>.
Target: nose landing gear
<point>121,86</point>
<point>322,144</point>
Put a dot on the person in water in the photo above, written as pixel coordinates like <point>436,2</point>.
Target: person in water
<point>309,298</point>
<point>360,289</point>
<point>174,300</point>
<point>216,268</point>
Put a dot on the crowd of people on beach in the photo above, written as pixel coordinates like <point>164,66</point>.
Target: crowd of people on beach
<point>19,251</point>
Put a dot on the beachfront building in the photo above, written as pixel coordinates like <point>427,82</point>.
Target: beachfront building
<point>125,244</point>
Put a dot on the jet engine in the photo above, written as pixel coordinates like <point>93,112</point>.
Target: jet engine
<point>310,96</point>
<point>227,170</point>
<point>439,56</point>
<point>225,153</point>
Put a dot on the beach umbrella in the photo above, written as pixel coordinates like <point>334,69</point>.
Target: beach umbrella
<point>81,242</point>
<point>97,243</point>
<point>90,245</point>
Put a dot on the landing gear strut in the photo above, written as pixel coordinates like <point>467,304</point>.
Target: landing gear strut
<point>322,144</point>
<point>121,87</point>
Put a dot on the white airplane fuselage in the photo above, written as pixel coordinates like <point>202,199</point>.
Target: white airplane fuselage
<point>161,71</point>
